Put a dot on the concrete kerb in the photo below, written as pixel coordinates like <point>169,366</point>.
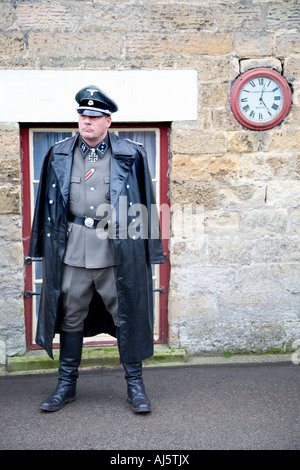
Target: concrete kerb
<point>37,362</point>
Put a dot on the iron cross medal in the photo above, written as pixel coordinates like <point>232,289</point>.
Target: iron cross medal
<point>93,157</point>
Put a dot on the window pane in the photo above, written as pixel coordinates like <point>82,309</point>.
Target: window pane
<point>148,139</point>
<point>42,141</point>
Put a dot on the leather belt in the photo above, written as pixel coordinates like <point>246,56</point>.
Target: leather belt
<point>85,221</point>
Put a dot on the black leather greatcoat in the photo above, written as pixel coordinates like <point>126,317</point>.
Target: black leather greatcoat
<point>129,176</point>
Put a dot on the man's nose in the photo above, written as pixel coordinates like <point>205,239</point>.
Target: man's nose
<point>86,119</point>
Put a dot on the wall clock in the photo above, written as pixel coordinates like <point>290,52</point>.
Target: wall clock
<point>260,99</point>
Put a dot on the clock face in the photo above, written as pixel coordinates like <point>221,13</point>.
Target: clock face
<point>260,99</point>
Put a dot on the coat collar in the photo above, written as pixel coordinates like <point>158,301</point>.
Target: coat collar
<point>122,158</point>
<point>62,164</point>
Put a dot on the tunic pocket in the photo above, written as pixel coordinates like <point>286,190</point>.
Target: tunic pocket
<point>75,188</point>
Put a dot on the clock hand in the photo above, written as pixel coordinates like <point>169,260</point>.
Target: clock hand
<point>260,99</point>
<point>262,92</point>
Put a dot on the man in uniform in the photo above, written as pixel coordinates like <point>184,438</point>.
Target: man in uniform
<point>79,176</point>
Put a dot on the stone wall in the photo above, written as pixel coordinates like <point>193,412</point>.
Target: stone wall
<point>12,332</point>
<point>238,288</point>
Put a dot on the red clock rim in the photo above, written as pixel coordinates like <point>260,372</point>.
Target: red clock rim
<point>234,101</point>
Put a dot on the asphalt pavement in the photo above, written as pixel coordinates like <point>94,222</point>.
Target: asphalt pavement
<point>194,407</point>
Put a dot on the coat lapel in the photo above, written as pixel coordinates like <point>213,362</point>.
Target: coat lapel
<point>122,159</point>
<point>62,165</point>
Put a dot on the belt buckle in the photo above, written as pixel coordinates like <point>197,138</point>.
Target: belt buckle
<point>89,222</point>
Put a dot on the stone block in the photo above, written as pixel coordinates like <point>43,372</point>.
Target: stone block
<point>188,252</point>
<point>213,95</point>
<point>243,141</point>
<point>115,15</point>
<point>75,45</point>
<point>258,223</point>
<point>218,69</point>
<point>12,325</point>
<point>10,228</point>
<point>286,43</point>
<point>2,356</point>
<point>242,195</point>
<point>200,278</point>
<point>195,193</point>
<point>243,16</point>
<point>223,119</point>
<point>295,221</point>
<point>7,17</point>
<point>152,45</point>
<point>267,165</point>
<point>10,200</point>
<point>283,194</point>
<point>181,16</point>
<point>11,256</point>
<point>292,67</point>
<point>219,223</point>
<point>283,15</point>
<point>252,44</point>
<point>280,278</point>
<point>207,43</point>
<point>44,16</point>
<point>205,167</point>
<point>9,171</point>
<point>230,251</point>
<point>9,144</point>
<point>197,142</point>
<point>271,62</point>
<point>12,46</point>
<point>276,249</point>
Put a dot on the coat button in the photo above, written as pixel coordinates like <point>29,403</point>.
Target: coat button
<point>54,185</point>
<point>50,202</point>
<point>48,235</point>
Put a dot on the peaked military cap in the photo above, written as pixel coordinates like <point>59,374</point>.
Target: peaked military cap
<point>94,102</point>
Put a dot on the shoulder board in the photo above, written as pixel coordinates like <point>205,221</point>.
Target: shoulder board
<point>63,140</point>
<point>133,142</point>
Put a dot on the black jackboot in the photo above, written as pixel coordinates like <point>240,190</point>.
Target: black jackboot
<point>135,388</point>
<point>69,360</point>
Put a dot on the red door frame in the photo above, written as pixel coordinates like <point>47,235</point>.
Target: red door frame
<point>164,269</point>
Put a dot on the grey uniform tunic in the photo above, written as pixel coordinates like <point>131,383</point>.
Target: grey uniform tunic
<point>89,189</point>
<point>89,259</point>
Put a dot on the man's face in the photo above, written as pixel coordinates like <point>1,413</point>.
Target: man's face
<point>93,129</point>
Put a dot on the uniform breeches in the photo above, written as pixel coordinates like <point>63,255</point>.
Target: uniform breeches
<point>78,287</point>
